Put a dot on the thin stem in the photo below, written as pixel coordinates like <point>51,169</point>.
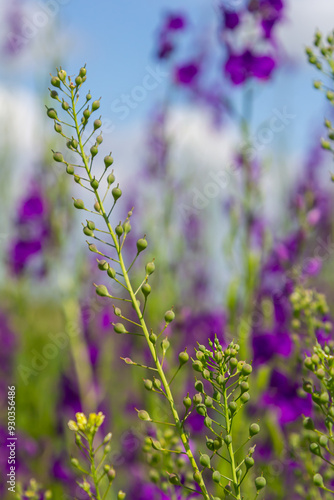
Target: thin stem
<point>230,449</point>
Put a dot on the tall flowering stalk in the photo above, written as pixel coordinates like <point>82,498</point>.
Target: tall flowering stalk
<point>77,144</point>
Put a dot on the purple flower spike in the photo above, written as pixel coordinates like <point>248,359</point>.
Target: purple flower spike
<point>240,67</point>
<point>187,73</point>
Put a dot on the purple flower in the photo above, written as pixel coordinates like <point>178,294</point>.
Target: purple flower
<point>198,327</point>
<point>282,396</point>
<point>241,67</point>
<point>172,24</point>
<point>21,252</point>
<point>267,345</point>
<point>270,12</point>
<point>175,22</point>
<point>186,74</point>
<point>231,18</point>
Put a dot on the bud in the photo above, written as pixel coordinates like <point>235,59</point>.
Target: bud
<point>83,71</point>
<point>318,480</point>
<point>208,402</point>
<point>102,291</point>
<point>78,81</point>
<point>148,384</point>
<point>249,462</point>
<point>111,474</point>
<point>88,232</point>
<point>117,193</point>
<point>65,105</point>
<point>88,96</point>
<point>146,289</point>
<point>52,113</point>
<point>92,248</point>
<point>228,439</point>
<point>183,357</point>
<point>58,128</point>
<point>111,179</point>
<point>53,94</point>
<point>86,113</point>
<point>174,479</point>
<point>150,267</point>
<point>79,204</point>
<point>62,75</point>
<point>119,230</point>
<point>169,316</point>
<point>55,81</point>
<point>197,366</point>
<point>102,265</point>
<point>254,429</point>
<point>93,151</point>
<point>95,105</point>
<point>245,397</point>
<point>233,363</point>
<point>246,369</point>
<point>107,438</point>
<point>260,483</point>
<point>121,495</point>
<point>108,160</point>
<point>97,207</point>
<point>216,477</point>
<point>187,402</point>
<point>75,462</point>
<point>143,415</point>
<point>119,328</point>
<point>205,460</point>
<point>141,245</point>
<point>153,338</point>
<point>127,227</point>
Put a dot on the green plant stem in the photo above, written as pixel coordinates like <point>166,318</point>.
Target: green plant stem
<point>169,395</point>
<point>93,471</point>
<point>230,449</point>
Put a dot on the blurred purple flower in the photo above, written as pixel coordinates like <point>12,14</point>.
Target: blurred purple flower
<point>231,18</point>
<point>282,395</point>
<point>175,22</point>
<point>270,12</point>
<point>187,74</point>
<point>172,23</point>
<point>267,345</point>
<point>15,40</point>
<point>241,67</point>
<point>198,327</point>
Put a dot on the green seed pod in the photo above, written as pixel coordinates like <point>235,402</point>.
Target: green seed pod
<point>315,449</point>
<point>323,441</point>
<point>82,71</point>
<point>199,386</point>
<point>88,96</point>
<point>143,415</point>
<point>197,477</point>
<point>52,113</point>
<point>95,105</point>
<point>307,386</point>
<point>92,248</point>
<point>208,402</point>
<point>221,380</point>
<point>157,383</point>
<point>78,81</point>
<point>119,328</point>
<point>169,316</point>
<point>201,410</point>
<point>318,480</point>
<point>58,128</point>
<point>233,407</point>
<point>94,183</point>
<point>79,204</point>
<point>121,495</point>
<point>254,429</point>
<point>187,401</point>
<point>197,366</point>
<point>154,476</point>
<point>216,396</point>
<point>233,363</point>
<point>70,169</point>
<point>228,439</point>
<point>141,245</point>
<point>119,230</point>
<point>146,289</point>
<point>200,355</point>
<point>246,369</point>
<point>107,438</point>
<point>111,179</point>
<point>53,94</point>
<point>65,105</point>
<point>103,265</point>
<point>86,113</point>
<point>127,227</point>
<point>62,75</point>
<point>111,272</point>
<point>55,81</point>
<point>174,479</point>
<point>217,443</point>
<point>148,384</point>
<point>58,157</point>
<point>260,483</point>
<point>218,356</point>
<point>249,462</point>
<point>153,338</point>
<point>111,474</point>
<point>209,444</point>
<point>308,424</point>
<point>205,460</point>
<point>108,160</point>
<point>208,422</point>
<point>206,374</point>
<point>324,398</point>
<point>216,477</point>
<point>197,399</point>
<point>93,151</point>
<point>102,291</point>
<point>308,363</point>
<point>117,311</point>
<point>97,207</point>
<point>245,397</point>
<point>91,225</point>
<point>117,193</point>
<point>150,267</point>
<point>183,358</point>
<point>88,232</point>
<point>75,462</point>
<point>97,124</point>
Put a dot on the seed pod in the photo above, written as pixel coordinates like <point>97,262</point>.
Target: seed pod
<point>108,160</point>
<point>79,204</point>
<point>53,94</point>
<point>121,495</point>
<point>199,386</point>
<point>119,230</point>
<point>208,402</point>
<point>75,462</point>
<point>216,396</point>
<point>82,71</point>
<point>62,75</point>
<point>217,443</point>
<point>245,397</point>
<point>254,429</point>
<point>150,267</point>
<point>97,124</point>
<point>209,444</point>
<point>94,183</point>
<point>87,113</point>
<point>205,460</point>
<point>92,248</point>
<point>201,410</point>
<point>233,363</point>
<point>187,402</point>
<point>148,384</point>
<point>102,291</point>
<point>197,399</point>
<point>260,483</point>
<point>141,245</point>
<point>95,105</point>
<point>146,289</point>
<point>228,439</point>
<point>78,81</point>
<point>126,227</point>
<point>97,207</point>
<point>218,356</point>
<point>107,438</point>
<point>117,193</point>
<point>119,328</point>
<point>315,449</point>
<point>88,232</point>
<point>111,474</point>
<point>52,113</point>
<point>183,357</point>
<point>318,480</point>
<point>208,422</point>
<point>249,462</point>
<point>153,338</point>
<point>143,415</point>
<point>117,311</point>
<point>88,96</point>
<point>169,316</point>
<point>58,128</point>
<point>308,424</point>
<point>156,383</point>
<point>246,369</point>
<point>174,479</point>
<point>93,151</point>
<point>65,105</point>
<point>216,477</point>
<point>103,265</point>
<point>233,407</point>
<point>197,366</point>
<point>70,169</point>
<point>90,225</point>
<point>197,477</point>
<point>55,81</point>
<point>323,441</point>
<point>111,179</point>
